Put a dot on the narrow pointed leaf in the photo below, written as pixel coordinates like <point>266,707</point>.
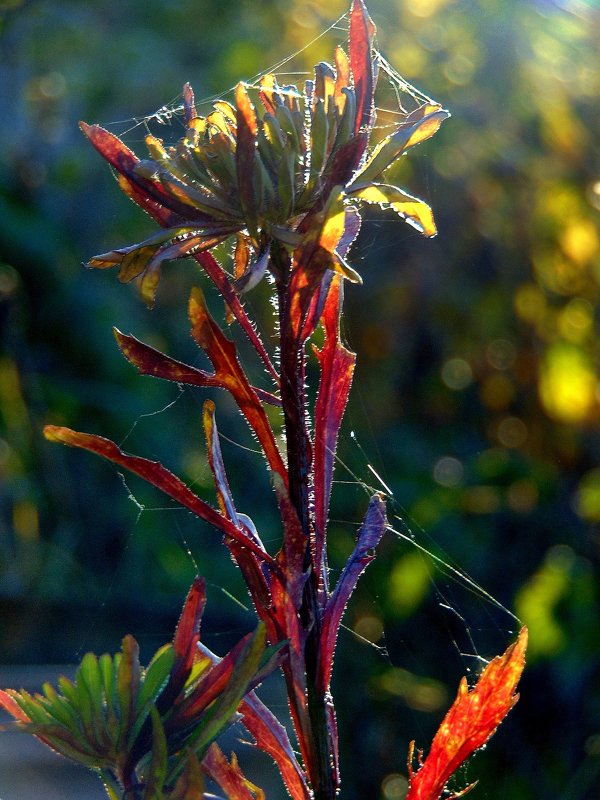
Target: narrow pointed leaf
<point>271,737</point>
<point>214,682</point>
<point>156,676</point>
<point>362,31</point>
<point>367,539</point>
<point>215,460</point>
<point>189,105</point>
<point>472,719</point>
<point>220,714</point>
<point>342,78</point>
<point>8,703</point>
<point>187,632</point>
<point>337,368</point>
<point>247,130</point>
<point>157,771</point>
<point>125,162</point>
<point>157,475</point>
<point>128,684</point>
<point>314,256</point>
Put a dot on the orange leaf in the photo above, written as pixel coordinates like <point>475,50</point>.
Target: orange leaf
<point>472,719</point>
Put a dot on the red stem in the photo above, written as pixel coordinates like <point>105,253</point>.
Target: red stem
<point>319,751</point>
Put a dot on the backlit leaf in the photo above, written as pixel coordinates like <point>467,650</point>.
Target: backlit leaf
<point>415,211</point>
<point>337,367</point>
<point>229,372</point>
<point>247,129</point>
<point>157,475</point>
<point>368,537</point>
<point>272,738</point>
<point>157,771</point>
<point>228,775</point>
<point>215,460</point>
<point>416,129</point>
<point>362,31</point>
<point>220,714</point>
<point>472,719</point>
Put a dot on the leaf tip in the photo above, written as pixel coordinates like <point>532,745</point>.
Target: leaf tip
<point>53,433</point>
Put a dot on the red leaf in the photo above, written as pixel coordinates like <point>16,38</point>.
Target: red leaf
<point>185,644</point>
<point>352,223</point>
<point>217,275</point>
<point>157,475</point>
<point>337,367</point>
<point>367,539</point>
<point>362,31</point>
<point>124,161</point>
<point>228,775</point>
<point>472,719</point>
<point>210,686</point>
<point>272,738</point>
<point>13,708</point>
<point>142,192</point>
<point>346,160</point>
<point>322,232</point>
<point>247,129</point>
<point>150,361</point>
<point>160,214</point>
<point>187,633</point>
<point>229,372</point>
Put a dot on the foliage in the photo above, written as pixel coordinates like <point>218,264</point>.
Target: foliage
<point>146,731</point>
<point>285,182</point>
<point>453,336</point>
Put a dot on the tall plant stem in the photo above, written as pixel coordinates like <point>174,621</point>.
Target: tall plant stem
<point>319,753</point>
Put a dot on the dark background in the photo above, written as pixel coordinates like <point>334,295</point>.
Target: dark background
<point>476,397</point>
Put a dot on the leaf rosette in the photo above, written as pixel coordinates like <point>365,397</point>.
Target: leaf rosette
<point>278,168</point>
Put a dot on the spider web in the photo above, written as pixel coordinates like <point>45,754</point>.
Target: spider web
<point>395,97</point>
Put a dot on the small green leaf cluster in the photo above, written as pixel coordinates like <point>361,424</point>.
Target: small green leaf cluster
<point>144,730</point>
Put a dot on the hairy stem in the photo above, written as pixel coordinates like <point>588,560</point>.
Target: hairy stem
<point>319,752</point>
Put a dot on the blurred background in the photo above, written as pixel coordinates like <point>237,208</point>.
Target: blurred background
<point>476,400</point>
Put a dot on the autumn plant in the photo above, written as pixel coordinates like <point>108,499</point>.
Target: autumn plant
<point>282,174</point>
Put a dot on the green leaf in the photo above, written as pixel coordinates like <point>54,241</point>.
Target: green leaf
<point>155,677</point>
<point>59,707</point>
<point>157,771</point>
<point>108,671</point>
<point>128,681</point>
<point>319,135</point>
<point>110,785</point>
